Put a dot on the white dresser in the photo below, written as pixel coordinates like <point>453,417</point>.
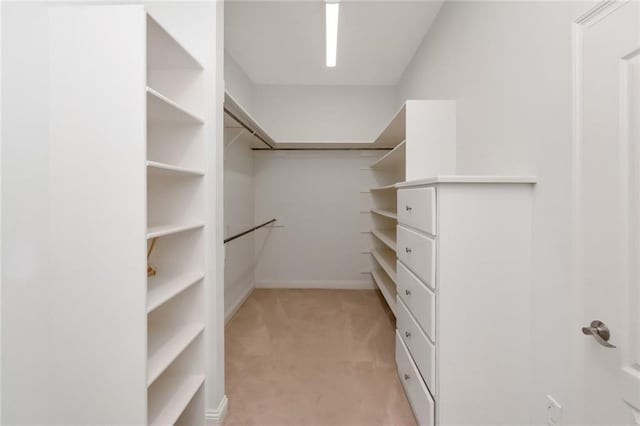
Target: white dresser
<point>463,346</point>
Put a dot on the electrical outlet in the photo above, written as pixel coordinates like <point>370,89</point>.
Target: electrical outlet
<point>554,411</point>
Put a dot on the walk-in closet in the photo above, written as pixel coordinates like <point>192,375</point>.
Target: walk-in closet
<point>319,212</point>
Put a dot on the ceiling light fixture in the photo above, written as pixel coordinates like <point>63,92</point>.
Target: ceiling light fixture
<point>332,10</point>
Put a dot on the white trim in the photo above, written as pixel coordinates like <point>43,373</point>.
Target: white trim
<point>238,303</point>
<point>216,417</point>
<point>318,284</point>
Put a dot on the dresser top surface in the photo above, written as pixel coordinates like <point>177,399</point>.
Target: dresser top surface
<point>468,179</point>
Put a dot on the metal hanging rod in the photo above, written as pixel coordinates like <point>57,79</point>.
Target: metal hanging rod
<point>226,240</point>
<point>322,149</point>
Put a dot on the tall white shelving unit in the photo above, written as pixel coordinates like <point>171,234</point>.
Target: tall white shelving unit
<point>422,138</point>
<point>175,223</point>
<point>128,167</point>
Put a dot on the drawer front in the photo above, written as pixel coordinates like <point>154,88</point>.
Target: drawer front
<point>417,208</point>
<point>415,389</point>
<point>422,350</point>
<point>420,300</point>
<point>418,253</point>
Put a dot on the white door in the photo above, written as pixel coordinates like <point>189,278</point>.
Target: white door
<point>606,209</point>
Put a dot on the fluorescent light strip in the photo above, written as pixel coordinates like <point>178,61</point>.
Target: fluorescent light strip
<point>332,12</point>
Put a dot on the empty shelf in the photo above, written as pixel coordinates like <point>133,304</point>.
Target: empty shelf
<point>183,391</point>
<point>162,230</point>
<point>394,159</point>
<point>387,288</point>
<point>166,288</point>
<point>161,108</point>
<point>166,353</point>
<point>385,213</point>
<point>387,261</point>
<point>162,169</point>
<point>387,236</point>
<point>164,51</point>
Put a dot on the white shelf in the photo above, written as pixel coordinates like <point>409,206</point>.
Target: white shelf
<point>164,51</point>
<point>174,345</point>
<point>384,188</point>
<point>387,236</point>
<point>161,169</point>
<point>163,230</point>
<point>161,108</point>
<point>184,389</point>
<point>387,288</point>
<point>395,131</point>
<point>166,289</point>
<point>394,159</point>
<point>387,261</point>
<point>385,213</point>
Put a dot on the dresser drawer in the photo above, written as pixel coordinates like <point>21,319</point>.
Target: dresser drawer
<point>418,253</point>
<point>420,300</point>
<point>415,389</point>
<point>422,350</point>
<point>417,208</point>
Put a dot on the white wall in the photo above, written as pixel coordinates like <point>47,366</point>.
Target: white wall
<point>238,216</point>
<point>324,113</point>
<point>238,84</point>
<point>508,65</point>
<point>315,197</point>
<point>25,214</point>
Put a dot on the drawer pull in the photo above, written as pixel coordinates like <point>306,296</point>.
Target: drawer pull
<point>407,292</point>
<point>407,249</point>
<point>408,208</point>
<point>406,376</point>
<point>407,334</point>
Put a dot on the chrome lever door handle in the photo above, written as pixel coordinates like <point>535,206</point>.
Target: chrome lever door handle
<point>600,332</point>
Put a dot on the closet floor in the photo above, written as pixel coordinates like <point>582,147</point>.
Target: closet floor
<point>313,357</point>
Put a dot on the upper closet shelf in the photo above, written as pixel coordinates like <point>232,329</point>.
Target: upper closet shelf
<point>164,51</point>
<point>163,230</point>
<point>161,169</point>
<point>393,160</point>
<point>161,108</point>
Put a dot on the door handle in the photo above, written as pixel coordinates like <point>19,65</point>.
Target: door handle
<point>600,332</point>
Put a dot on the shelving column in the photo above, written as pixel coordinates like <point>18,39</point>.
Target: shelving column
<point>175,232</point>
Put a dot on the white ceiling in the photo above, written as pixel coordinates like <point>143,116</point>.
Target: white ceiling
<point>282,42</point>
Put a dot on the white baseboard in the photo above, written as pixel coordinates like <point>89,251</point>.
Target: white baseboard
<point>216,417</point>
<point>234,308</point>
<point>319,284</point>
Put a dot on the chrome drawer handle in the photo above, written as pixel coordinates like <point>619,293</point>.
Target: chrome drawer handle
<point>406,376</point>
<point>407,292</point>
<point>408,208</point>
<point>407,334</point>
<point>407,249</point>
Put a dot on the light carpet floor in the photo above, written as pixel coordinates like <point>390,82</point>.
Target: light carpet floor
<point>313,357</point>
